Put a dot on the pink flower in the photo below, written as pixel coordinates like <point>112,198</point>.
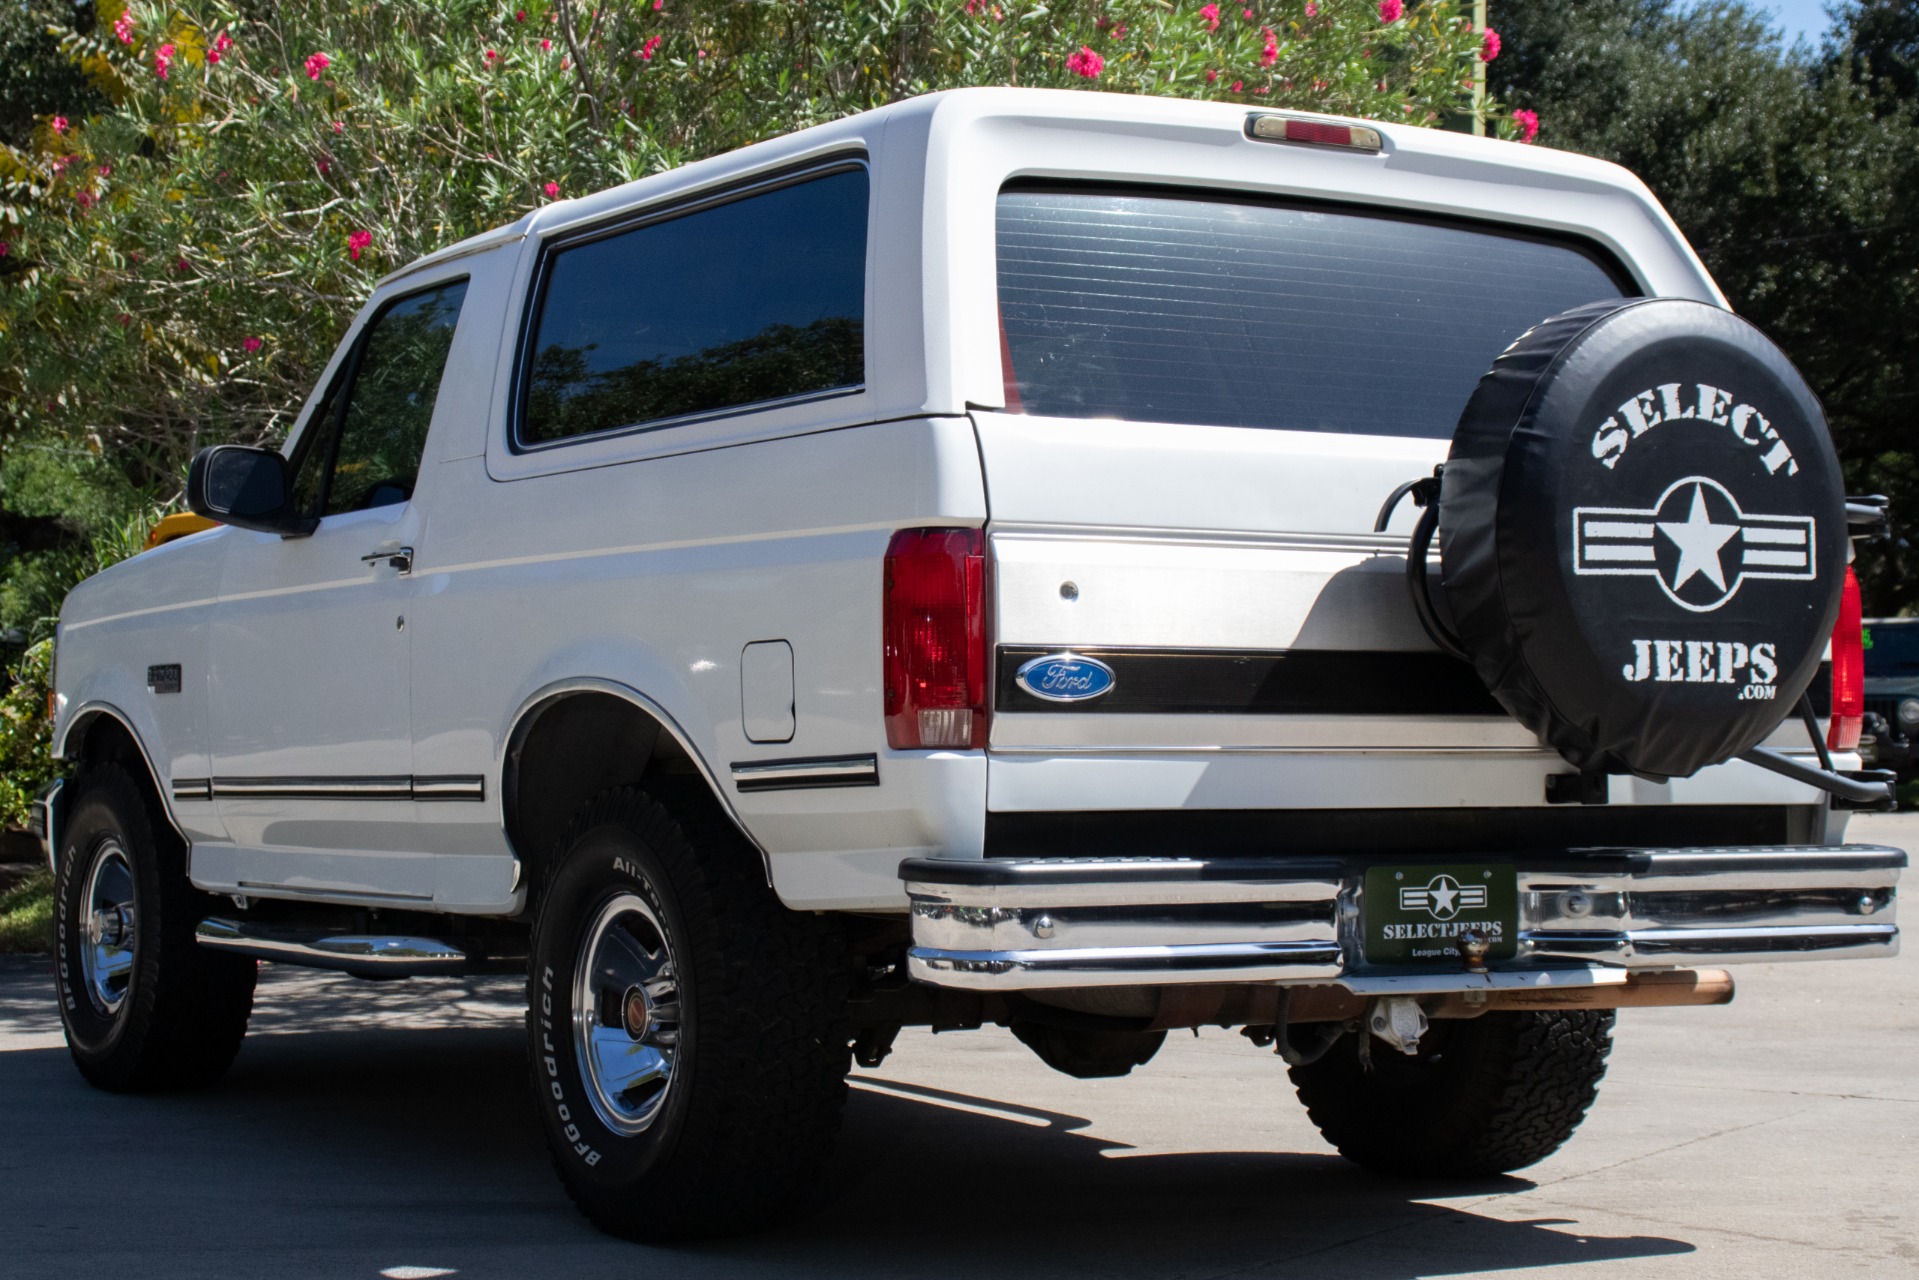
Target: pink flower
<point>123,27</point>
<point>1489,46</point>
<point>1238,85</point>
<point>1210,16</point>
<point>1119,32</point>
<point>658,5</point>
<point>1246,14</point>
<point>218,48</point>
<point>60,163</point>
<point>315,64</point>
<point>357,241</point>
<point>106,170</point>
<point>1390,11</point>
<point>58,124</point>
<point>546,46</point>
<point>647,49</point>
<point>6,247</point>
<point>85,198</point>
<point>251,345</point>
<point>161,57</point>
<point>490,57</point>
<point>1085,63</point>
<point>339,126</point>
<point>552,190</point>
<point>1312,9</point>
<point>213,56</point>
<point>1211,75</point>
<point>1528,122</point>
<point>519,15</point>
<point>1270,54</point>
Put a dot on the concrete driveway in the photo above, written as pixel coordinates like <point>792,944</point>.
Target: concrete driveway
<point>374,1130</point>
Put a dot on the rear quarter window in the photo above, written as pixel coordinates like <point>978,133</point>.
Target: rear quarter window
<point>1169,307</point>
<point>755,300</point>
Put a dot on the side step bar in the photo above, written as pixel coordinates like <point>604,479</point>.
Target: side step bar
<point>363,955</point>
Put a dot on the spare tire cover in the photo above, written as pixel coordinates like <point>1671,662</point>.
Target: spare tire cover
<point>1642,534</point>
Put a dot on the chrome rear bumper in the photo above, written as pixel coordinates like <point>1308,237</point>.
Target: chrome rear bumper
<point>1012,924</point>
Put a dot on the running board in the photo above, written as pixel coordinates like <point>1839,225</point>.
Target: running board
<point>363,955</point>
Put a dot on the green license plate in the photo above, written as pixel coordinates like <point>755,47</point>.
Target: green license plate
<point>1415,915</point>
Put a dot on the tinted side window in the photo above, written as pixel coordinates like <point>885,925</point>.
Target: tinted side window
<point>313,463</point>
<point>758,299</point>
<point>394,374</point>
<point>1163,308</point>
<point>383,424</point>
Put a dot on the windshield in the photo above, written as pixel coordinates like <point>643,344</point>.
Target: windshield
<point>1170,308</point>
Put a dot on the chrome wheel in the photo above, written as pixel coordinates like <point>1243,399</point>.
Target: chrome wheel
<point>110,928</point>
<point>626,1013</point>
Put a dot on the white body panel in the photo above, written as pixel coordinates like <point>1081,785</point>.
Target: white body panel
<point>644,564</point>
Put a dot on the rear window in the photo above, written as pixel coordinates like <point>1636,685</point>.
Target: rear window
<point>756,300</point>
<point>1167,308</point>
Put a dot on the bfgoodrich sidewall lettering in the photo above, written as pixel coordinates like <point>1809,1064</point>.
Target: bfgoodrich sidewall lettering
<point>595,1153</point>
<point>86,1026</point>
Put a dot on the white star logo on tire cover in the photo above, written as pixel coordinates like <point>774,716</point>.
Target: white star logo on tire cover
<point>1626,541</point>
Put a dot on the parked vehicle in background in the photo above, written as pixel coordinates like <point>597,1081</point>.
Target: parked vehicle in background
<point>1892,694</point>
<point>969,563</point>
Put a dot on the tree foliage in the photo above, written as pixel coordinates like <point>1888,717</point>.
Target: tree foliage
<point>1794,172</point>
<point>186,242</point>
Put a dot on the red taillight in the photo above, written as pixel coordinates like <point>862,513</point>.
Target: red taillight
<point>934,636</point>
<point>1848,670</point>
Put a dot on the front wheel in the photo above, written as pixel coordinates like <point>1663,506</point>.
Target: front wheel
<point>144,1006</point>
<point>688,1034</point>
<point>1483,1096</point>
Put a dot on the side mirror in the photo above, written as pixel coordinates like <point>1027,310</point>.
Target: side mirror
<point>247,488</point>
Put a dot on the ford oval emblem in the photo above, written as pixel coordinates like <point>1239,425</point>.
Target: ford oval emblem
<point>1064,677</point>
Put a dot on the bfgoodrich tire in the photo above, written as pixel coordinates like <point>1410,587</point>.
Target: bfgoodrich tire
<point>688,1034</point>
<point>1484,1095</point>
<point>144,1005</point>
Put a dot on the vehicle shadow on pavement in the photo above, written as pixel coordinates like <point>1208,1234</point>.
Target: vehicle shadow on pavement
<point>347,1152</point>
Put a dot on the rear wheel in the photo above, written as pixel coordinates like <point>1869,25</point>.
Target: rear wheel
<point>688,1034</point>
<point>144,1006</point>
<point>1484,1095</point>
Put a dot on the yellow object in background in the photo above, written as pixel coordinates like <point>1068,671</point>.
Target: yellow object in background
<point>177,525</point>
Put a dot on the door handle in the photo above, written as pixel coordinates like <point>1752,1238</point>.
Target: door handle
<point>401,558</point>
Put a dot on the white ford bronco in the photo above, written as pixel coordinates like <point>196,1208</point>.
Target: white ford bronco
<point>1089,564</point>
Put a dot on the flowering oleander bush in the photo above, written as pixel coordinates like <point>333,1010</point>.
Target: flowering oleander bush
<point>179,265</point>
<point>25,734</point>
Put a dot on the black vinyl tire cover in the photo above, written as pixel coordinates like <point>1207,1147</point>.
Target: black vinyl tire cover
<point>1642,535</point>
